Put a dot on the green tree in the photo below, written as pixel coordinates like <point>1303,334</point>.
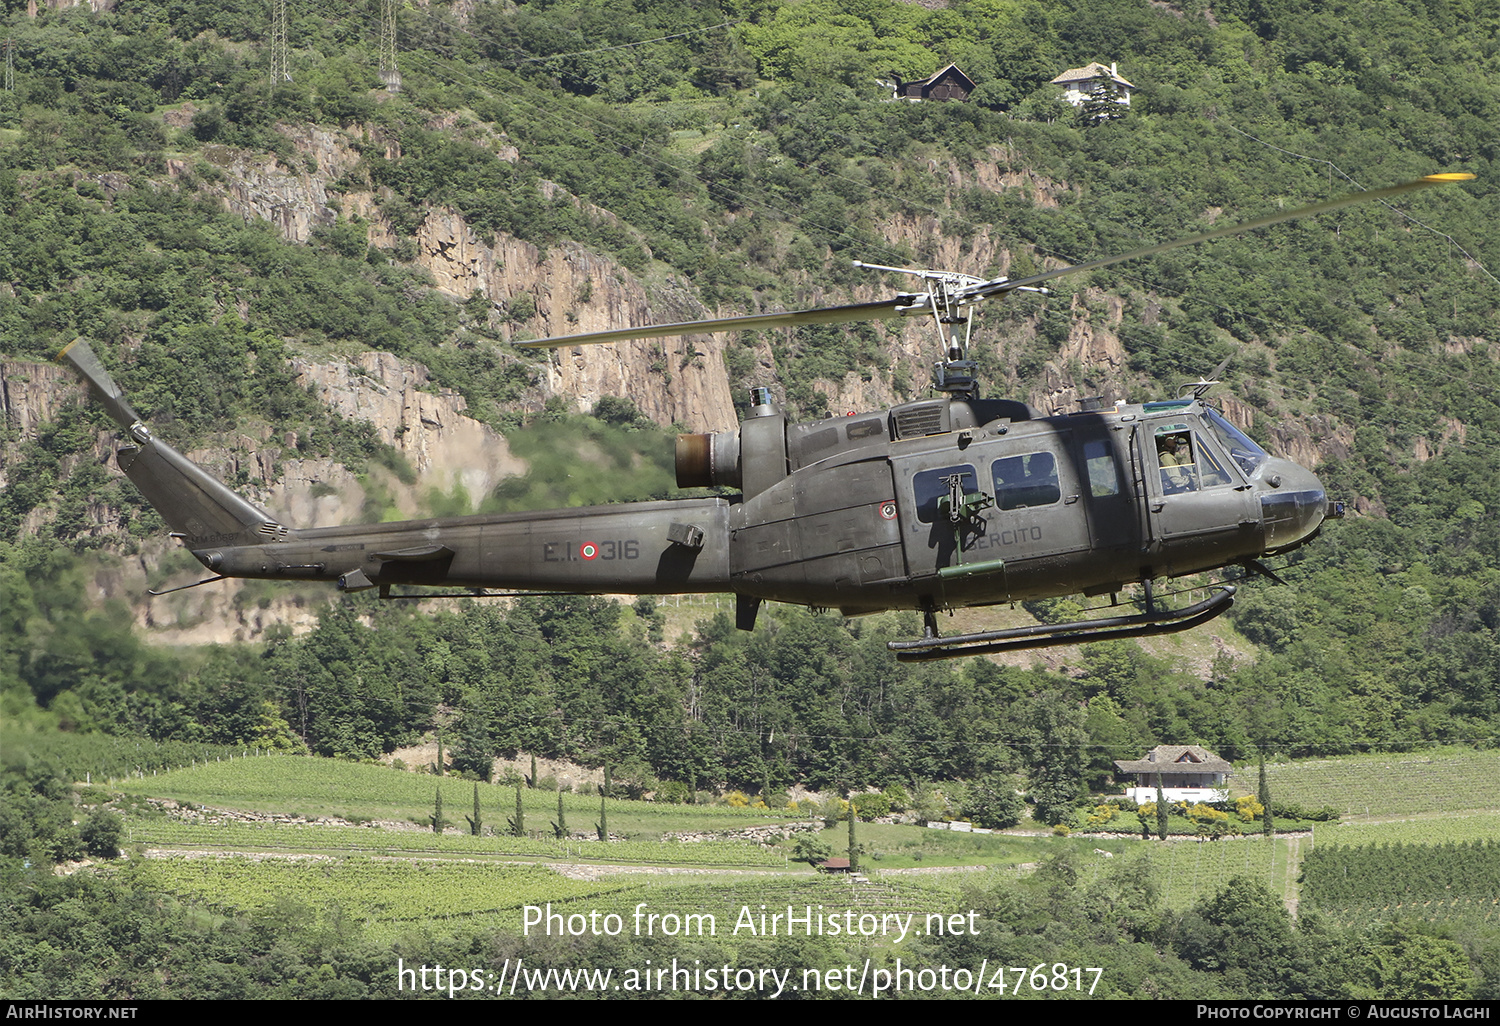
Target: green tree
<point>437,813</point>
<point>853,844</point>
<point>1245,933</point>
<point>518,822</point>
<point>1414,966</point>
<point>993,802</point>
<point>475,822</point>
<point>1263,795</point>
<point>810,848</point>
<point>1161,811</point>
<point>475,751</point>
<point>100,832</point>
<point>1102,104</point>
<point>1054,739</point>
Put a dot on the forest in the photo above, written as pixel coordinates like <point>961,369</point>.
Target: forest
<point>741,152</point>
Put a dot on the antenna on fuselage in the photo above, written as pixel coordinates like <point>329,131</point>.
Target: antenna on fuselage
<point>1200,387</point>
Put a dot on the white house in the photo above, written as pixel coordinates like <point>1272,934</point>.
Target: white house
<point>1188,774</point>
<point>1080,83</point>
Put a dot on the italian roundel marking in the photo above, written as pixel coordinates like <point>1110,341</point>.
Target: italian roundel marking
<point>888,511</point>
<point>588,550</point>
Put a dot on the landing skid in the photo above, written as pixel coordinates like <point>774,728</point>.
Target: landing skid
<point>1015,639</point>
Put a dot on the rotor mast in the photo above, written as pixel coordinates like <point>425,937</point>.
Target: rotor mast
<point>951,299</point>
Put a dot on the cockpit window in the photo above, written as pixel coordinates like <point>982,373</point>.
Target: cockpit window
<point>1209,472</point>
<point>1243,451</point>
<point>1174,454</point>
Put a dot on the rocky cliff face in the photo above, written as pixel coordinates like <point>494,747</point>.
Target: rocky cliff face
<point>574,290</point>
<point>570,288</point>
<point>427,425</point>
<point>30,394</point>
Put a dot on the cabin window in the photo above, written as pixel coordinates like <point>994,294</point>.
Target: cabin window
<point>1104,478</point>
<point>1022,481</point>
<point>930,488</point>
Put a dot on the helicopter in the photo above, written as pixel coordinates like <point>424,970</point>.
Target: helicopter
<point>934,504</point>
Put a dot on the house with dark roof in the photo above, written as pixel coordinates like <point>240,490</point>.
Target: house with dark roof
<point>1188,773</point>
<point>948,84</point>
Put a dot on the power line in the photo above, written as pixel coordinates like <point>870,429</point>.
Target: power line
<point>627,46</point>
<point>390,74</point>
<point>280,55</point>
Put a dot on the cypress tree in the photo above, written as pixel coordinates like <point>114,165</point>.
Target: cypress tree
<point>853,847</point>
<point>518,825</point>
<point>1161,809</point>
<point>560,828</point>
<point>437,813</point>
<point>474,821</point>
<point>603,817</point>
<point>1263,796</point>
<point>532,781</point>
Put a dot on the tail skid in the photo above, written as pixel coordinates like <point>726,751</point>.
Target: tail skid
<point>201,511</point>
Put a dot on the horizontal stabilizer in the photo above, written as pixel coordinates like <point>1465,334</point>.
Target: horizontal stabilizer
<point>418,554</point>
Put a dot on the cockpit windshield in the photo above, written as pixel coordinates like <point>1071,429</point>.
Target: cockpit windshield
<point>1244,452</point>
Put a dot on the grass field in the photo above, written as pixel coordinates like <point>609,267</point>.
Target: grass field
<point>388,879</point>
<point>383,899</point>
<point>381,896</point>
<point>312,788</point>
<point>1193,870</point>
<point>321,839</point>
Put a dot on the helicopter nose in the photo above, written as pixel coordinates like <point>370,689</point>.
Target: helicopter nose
<point>1292,504</point>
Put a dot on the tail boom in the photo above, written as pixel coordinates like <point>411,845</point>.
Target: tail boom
<point>639,548</point>
<point>647,548</point>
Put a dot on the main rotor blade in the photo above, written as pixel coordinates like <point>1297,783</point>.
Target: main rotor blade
<point>1219,233</point>
<point>907,303</point>
<point>885,308</point>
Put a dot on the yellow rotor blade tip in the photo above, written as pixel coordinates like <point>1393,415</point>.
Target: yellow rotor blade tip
<point>1452,176</point>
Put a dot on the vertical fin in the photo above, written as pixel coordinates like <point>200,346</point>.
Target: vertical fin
<point>196,506</point>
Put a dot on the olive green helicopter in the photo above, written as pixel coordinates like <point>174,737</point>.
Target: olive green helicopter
<point>944,502</point>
